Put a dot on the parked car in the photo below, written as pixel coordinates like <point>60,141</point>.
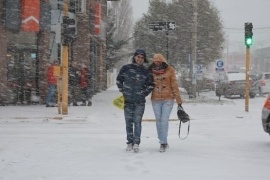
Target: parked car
<point>263,84</point>
<point>254,77</point>
<point>206,83</point>
<point>234,84</point>
<point>266,115</point>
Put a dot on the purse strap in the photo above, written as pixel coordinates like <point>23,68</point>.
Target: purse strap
<point>180,107</point>
<point>179,132</point>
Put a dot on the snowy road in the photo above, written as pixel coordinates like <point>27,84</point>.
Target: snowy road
<point>225,143</point>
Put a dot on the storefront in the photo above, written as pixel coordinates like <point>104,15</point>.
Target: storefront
<point>22,74</point>
<point>31,38</point>
<point>24,27</point>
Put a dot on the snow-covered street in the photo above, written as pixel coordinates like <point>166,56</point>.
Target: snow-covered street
<point>225,143</point>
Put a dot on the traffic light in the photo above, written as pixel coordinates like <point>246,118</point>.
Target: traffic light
<point>248,34</point>
<point>68,29</point>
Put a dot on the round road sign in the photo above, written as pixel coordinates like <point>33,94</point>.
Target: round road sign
<point>220,63</point>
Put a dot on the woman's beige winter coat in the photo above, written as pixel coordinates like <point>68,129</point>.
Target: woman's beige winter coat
<point>165,85</point>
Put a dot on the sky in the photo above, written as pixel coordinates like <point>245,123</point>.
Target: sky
<point>225,142</point>
<point>234,13</point>
<point>139,7</point>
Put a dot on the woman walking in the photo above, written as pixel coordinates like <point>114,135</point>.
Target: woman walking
<point>165,91</point>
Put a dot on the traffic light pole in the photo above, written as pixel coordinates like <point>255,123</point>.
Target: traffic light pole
<point>248,43</point>
<point>247,78</point>
<point>65,69</point>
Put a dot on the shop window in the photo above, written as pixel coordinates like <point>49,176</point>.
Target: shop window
<point>21,64</point>
<point>22,75</point>
<point>77,6</point>
<point>13,66</point>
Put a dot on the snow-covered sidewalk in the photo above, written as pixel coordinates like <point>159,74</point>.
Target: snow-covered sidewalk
<point>102,103</point>
<point>225,142</point>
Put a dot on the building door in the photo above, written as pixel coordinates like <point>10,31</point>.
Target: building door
<point>23,75</point>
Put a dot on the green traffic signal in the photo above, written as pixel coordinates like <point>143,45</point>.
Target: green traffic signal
<point>248,41</point>
<point>248,34</point>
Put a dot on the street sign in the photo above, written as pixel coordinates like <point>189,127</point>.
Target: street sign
<point>171,25</point>
<point>157,26</point>
<point>162,25</point>
<point>219,65</point>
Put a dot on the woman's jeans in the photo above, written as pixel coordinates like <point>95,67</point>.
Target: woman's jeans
<point>133,116</point>
<point>162,110</point>
<point>51,99</point>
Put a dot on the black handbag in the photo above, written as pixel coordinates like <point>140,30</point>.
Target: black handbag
<point>183,117</point>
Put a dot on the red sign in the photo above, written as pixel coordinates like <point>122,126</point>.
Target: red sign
<point>30,15</point>
<point>97,18</point>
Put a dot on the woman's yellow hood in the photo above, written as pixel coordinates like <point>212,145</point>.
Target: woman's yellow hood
<point>160,58</point>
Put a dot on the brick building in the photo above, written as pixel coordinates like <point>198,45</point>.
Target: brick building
<point>30,37</point>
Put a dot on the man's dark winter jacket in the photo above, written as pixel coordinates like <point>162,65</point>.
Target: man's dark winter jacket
<point>135,82</point>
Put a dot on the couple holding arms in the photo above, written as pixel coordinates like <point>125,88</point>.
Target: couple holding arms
<point>136,82</point>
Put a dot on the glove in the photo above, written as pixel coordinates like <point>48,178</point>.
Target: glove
<point>181,101</point>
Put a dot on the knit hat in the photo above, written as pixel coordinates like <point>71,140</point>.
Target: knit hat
<point>160,58</point>
<point>140,52</point>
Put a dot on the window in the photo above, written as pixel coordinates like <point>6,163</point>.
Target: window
<point>22,65</point>
<point>77,6</point>
<point>267,76</point>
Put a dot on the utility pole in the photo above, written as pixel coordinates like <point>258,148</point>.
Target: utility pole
<point>64,67</point>
<point>193,50</point>
<point>247,78</point>
<point>248,43</point>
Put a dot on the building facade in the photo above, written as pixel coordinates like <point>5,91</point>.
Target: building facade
<point>30,32</point>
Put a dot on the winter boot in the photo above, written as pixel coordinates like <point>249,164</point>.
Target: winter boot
<point>163,147</point>
<point>129,147</point>
<point>136,148</point>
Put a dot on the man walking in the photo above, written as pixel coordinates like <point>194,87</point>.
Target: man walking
<point>135,82</point>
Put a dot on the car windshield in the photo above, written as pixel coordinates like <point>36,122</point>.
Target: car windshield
<point>267,76</point>
<point>253,77</point>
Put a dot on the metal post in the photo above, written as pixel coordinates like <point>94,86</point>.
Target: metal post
<point>167,45</point>
<point>65,69</point>
<point>194,50</point>
<point>59,94</point>
<point>247,78</point>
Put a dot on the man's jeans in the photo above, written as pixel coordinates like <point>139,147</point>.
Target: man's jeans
<point>162,110</point>
<point>133,116</point>
<point>51,100</point>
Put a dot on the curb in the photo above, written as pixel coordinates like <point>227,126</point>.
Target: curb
<point>153,120</point>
